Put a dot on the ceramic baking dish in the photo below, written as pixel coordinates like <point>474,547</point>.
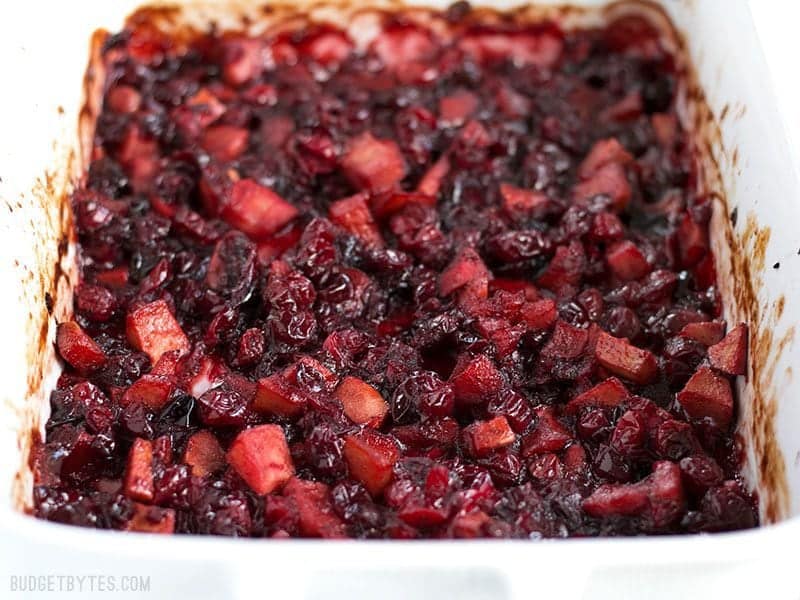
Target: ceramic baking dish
<point>729,102</point>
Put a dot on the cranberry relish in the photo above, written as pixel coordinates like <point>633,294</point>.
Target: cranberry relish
<point>447,285</point>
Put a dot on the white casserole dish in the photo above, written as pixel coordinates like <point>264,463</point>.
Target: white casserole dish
<point>44,49</point>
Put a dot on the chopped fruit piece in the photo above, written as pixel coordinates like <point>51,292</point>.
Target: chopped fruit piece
<point>523,203</point>
<point>203,454</point>
<point>354,215</point>
<point>373,164</point>
<point>257,210</point>
<point>548,435</point>
<point>542,49</point>
<point>370,458</point>
<point>153,329</point>
<point>151,519</point>
<point>138,484</point>
<point>707,333</point>
<point>603,153</point>
<point>362,403</point>
<point>659,498</point>
<point>730,354</point>
<point>467,272</point>
<point>242,60</point>
<point>261,457</point>
<point>431,182</point>
<point>708,395</point>
<point>153,391</point>
<point>565,270</point>
<point>665,126</point>
<point>626,360</point>
<point>225,142</point>
<point>456,108</point>
<point>475,380</point>
<point>482,437</point>
<point>609,180</point>
<point>540,315</point>
<point>607,394</point>
<point>399,46</point>
<point>627,261</point>
<point>276,397</point>
<point>316,514</point>
<point>124,99</point>
<point>77,348</point>
<point>692,241</point>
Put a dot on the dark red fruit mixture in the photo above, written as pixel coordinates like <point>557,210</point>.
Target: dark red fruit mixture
<point>428,288</point>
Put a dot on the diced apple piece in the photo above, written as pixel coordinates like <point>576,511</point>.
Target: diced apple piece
<point>626,360</point>
<point>482,437</point>
<point>276,397</point>
<point>542,49</point>
<point>626,261</point>
<point>77,348</point>
<point>539,315</point>
<point>362,403</point>
<point>606,227</point>
<point>242,60</point>
<point>606,394</point>
<point>455,108</point>
<point>167,364</point>
<point>548,435</point>
<point>566,268</point>
<point>475,380</point>
<point>399,46</point>
<point>373,164</point>
<point>124,99</point>
<point>384,205</point>
<point>203,454</point>
<point>730,354</point>
<point>328,48</point>
<point>567,341</point>
<point>317,518</point>
<point>151,519</point>
<point>225,142</point>
<point>138,482</point>
<point>353,215</point>
<point>431,182</point>
<point>609,180</point>
<point>692,241</point>
<point>370,457</point>
<point>467,271</point>
<point>260,455</point>
<point>659,497</point>
<point>708,395</point>
<point>604,152</point>
<point>523,203</point>
<point>151,390</point>
<point>665,128</point>
<point>707,333</point>
<point>153,329</point>
<point>257,210</point>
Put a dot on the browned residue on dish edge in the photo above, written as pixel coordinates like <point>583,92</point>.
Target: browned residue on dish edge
<point>746,249</point>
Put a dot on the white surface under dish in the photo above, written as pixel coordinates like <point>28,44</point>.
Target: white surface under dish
<point>44,48</point>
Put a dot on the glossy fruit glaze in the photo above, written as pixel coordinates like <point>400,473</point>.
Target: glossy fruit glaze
<point>443,285</point>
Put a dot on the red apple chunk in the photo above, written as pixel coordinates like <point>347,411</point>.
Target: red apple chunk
<point>370,457</point>
<point>260,455</point>
<point>373,164</point>
<point>151,519</point>
<point>317,517</point>
<point>257,210</point>
<point>353,214</point>
<point>482,437</point>
<point>730,354</point>
<point>138,483</point>
<point>77,348</point>
<point>708,395</point>
<point>362,403</point>
<point>203,454</point>
<point>153,329</point>
<point>626,360</point>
